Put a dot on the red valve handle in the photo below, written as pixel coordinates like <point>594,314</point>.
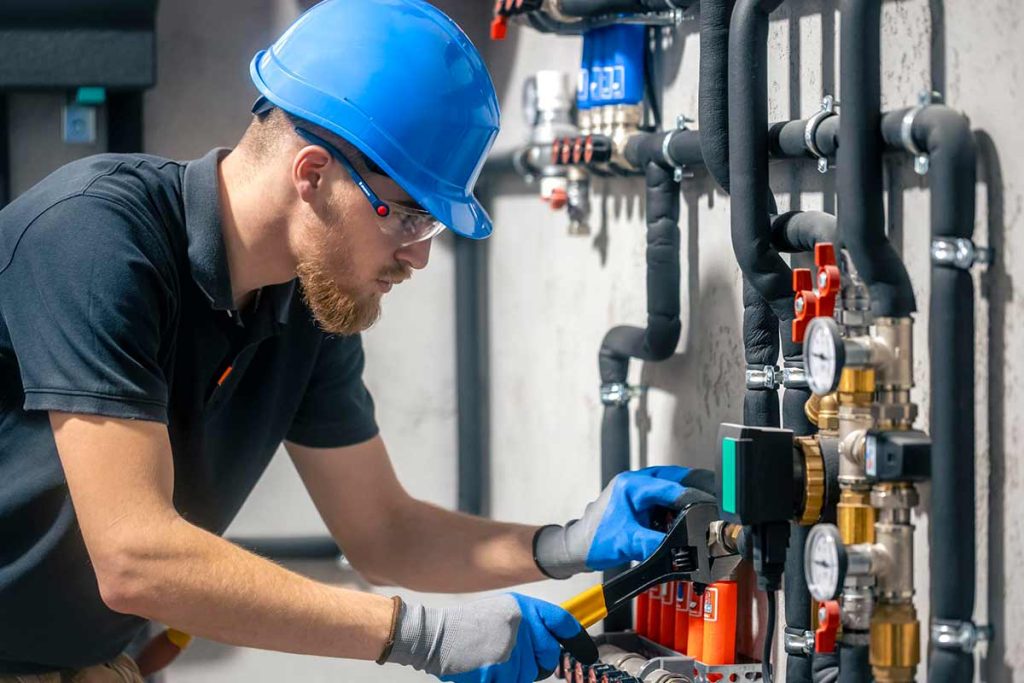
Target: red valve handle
<point>815,297</point>
<point>828,627</point>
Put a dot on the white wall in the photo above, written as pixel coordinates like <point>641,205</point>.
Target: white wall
<point>553,296</point>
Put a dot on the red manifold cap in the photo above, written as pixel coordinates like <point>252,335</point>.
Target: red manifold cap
<point>499,28</point>
<point>828,627</point>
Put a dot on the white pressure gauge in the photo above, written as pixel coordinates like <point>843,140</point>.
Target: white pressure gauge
<point>825,562</point>
<point>824,355</point>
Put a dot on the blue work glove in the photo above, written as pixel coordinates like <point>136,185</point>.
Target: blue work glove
<point>506,639</point>
<point>616,528</point>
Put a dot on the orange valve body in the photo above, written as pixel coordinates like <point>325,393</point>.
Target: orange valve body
<point>720,603</point>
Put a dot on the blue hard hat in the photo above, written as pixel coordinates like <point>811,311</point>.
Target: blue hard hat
<point>401,81</point>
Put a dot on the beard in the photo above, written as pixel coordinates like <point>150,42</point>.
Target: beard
<point>339,306</point>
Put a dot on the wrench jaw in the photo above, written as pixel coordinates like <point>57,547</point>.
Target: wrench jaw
<point>684,555</point>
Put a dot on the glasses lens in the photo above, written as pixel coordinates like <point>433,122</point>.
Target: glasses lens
<point>411,226</point>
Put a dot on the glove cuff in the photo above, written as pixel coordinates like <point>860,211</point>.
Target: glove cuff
<point>551,553</point>
<point>416,638</point>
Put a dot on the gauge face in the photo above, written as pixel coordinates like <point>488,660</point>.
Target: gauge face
<point>823,355</point>
<point>824,562</point>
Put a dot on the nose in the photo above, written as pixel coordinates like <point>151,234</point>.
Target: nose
<point>415,255</point>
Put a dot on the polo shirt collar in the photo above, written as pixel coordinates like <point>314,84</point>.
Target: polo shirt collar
<point>207,254</point>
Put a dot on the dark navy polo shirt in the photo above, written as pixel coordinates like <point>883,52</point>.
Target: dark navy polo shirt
<point>115,299</point>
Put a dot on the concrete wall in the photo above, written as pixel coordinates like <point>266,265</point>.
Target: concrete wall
<point>553,296</point>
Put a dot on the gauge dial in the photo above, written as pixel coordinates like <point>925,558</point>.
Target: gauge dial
<point>825,562</point>
<point>824,355</point>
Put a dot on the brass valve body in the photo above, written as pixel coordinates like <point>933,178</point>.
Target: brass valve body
<point>855,517</point>
<point>895,642</point>
<point>857,386</point>
<point>814,480</point>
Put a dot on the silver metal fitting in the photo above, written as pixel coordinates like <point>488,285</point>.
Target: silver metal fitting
<point>924,99</point>
<point>799,643</point>
<point>794,378</point>
<point>828,108</point>
<point>679,171</point>
<point>959,635</point>
<point>619,393</point>
<point>903,498</point>
<point>765,378</point>
<point>959,252</point>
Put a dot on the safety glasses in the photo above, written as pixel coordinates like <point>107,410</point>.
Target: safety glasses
<point>404,223</point>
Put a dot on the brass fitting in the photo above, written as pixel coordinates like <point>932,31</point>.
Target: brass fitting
<point>857,386</point>
<point>814,480</point>
<point>828,415</point>
<point>812,409</point>
<point>855,517</point>
<point>895,642</point>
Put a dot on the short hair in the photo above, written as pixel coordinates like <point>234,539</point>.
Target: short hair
<point>273,130</point>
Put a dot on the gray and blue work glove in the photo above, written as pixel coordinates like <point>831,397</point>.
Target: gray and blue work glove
<point>616,528</point>
<point>505,639</point>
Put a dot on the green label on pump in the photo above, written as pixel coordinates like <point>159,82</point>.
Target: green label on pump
<point>729,475</point>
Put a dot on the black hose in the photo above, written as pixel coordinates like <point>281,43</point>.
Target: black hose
<point>601,8</point>
<point>946,135</point>
<point>854,665</point>
<point>656,342</point>
<point>713,89</point>
<point>859,185</point>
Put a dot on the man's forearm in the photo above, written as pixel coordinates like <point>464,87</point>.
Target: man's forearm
<point>199,583</point>
<point>438,550</point>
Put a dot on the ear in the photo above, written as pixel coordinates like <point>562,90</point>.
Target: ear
<point>308,171</point>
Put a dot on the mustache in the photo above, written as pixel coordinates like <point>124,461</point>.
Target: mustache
<point>396,273</point>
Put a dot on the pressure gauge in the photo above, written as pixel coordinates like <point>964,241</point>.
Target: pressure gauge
<point>824,355</point>
<point>825,562</point>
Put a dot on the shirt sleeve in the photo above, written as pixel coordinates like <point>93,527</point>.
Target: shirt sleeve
<point>85,307</point>
<point>337,409</point>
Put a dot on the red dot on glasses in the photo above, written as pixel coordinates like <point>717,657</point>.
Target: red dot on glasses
<point>382,211</point>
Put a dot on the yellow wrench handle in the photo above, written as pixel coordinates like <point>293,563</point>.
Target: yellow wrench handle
<point>588,607</point>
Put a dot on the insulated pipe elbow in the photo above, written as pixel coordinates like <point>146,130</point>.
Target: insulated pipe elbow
<point>946,136</point>
<point>859,184</point>
<point>748,164</point>
<point>658,341</point>
<point>798,231</point>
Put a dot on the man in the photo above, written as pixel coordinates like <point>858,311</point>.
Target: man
<point>165,326</point>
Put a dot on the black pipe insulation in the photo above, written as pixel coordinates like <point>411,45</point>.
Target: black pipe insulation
<point>798,231</point>
<point>748,167</point>
<point>786,138</point>
<point>656,342</point>
<point>946,136</point>
<point>713,89</point>
<point>859,185</point>
<point>602,8</point>
<point>854,664</point>
<point>760,348</point>
<point>825,668</point>
<point>684,148</point>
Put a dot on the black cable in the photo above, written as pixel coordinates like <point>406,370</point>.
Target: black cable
<point>769,635</point>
